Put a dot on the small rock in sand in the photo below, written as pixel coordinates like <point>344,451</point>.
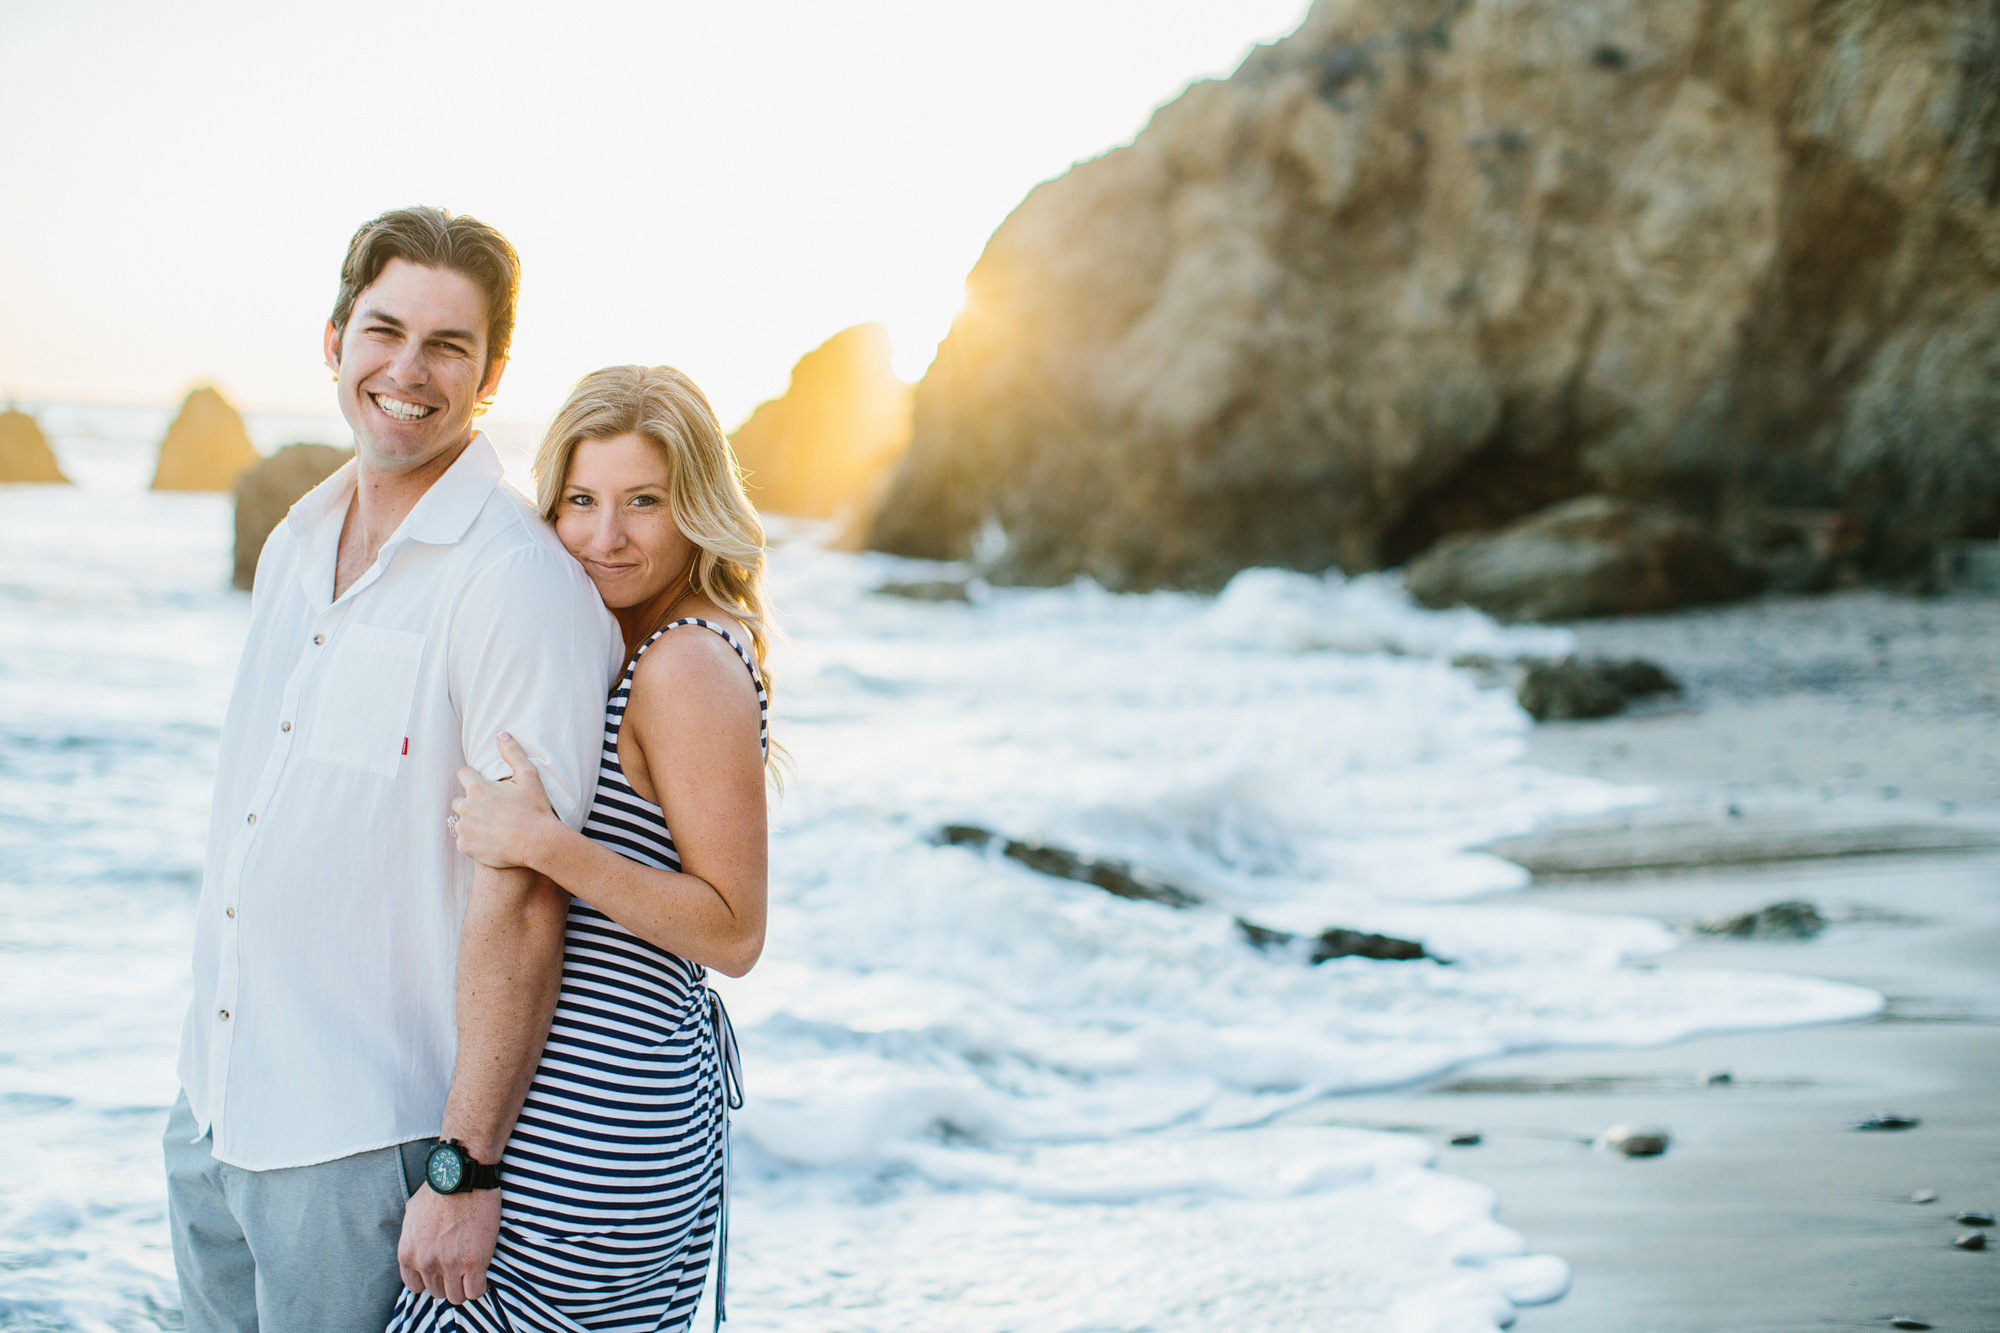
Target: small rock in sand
<point>1924,1196</point>
<point>1711,1078</point>
<point>1971,1240</point>
<point>1793,919</point>
<point>1556,691</point>
<point>1468,1139</point>
<point>1888,1120</point>
<point>1636,1140</point>
<point>1975,1217</point>
<point>1904,1321</point>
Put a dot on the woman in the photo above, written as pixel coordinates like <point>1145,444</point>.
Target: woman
<point>613,1180</point>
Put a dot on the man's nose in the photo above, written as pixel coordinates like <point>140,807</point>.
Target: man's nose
<point>410,365</point>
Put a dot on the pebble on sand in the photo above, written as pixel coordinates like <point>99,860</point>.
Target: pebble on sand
<point>1792,919</point>
<point>1971,1240</point>
<point>1975,1217</point>
<point>1636,1140</point>
<point>1888,1120</point>
<point>1904,1321</point>
<point>1466,1139</point>
<point>1716,1077</point>
<point>1924,1196</point>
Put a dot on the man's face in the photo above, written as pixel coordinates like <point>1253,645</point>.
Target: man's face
<point>409,365</point>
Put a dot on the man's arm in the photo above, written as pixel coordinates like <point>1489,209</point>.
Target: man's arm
<point>509,973</point>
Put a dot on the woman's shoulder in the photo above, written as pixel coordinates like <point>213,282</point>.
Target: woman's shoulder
<point>692,658</point>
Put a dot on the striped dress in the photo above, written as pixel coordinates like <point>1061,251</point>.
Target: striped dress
<point>613,1184</point>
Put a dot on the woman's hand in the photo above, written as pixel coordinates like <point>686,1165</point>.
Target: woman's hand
<point>498,821</point>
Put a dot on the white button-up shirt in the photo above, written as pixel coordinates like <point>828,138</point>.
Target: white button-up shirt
<point>326,952</point>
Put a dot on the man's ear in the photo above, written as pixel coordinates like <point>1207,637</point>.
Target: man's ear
<point>492,384</point>
<point>332,348</point>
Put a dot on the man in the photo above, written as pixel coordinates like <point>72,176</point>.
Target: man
<point>360,989</point>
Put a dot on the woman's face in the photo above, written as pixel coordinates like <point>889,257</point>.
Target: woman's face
<point>614,518</point>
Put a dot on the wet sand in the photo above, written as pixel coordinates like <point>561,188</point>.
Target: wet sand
<point>1844,750</point>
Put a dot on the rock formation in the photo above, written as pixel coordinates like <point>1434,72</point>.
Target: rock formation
<point>267,492</point>
<point>1427,266</point>
<point>843,422</point>
<point>206,448</point>
<point>24,451</point>
<point>1593,556</point>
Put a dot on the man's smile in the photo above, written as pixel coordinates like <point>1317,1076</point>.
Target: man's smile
<point>399,408</point>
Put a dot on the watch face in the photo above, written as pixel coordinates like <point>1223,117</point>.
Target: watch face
<point>445,1169</point>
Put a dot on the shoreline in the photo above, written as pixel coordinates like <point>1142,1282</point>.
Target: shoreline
<point>1843,749</point>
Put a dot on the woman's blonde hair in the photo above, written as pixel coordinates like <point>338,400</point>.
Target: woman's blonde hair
<point>704,490</point>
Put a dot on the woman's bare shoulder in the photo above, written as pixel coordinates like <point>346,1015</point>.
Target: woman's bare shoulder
<point>693,666</point>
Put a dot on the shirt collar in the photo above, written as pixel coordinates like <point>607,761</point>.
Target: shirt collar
<point>455,499</point>
<point>440,518</point>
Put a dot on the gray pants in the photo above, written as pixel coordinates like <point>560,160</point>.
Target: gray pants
<point>304,1249</point>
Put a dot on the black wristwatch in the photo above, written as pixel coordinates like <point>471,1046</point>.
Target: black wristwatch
<point>451,1170</point>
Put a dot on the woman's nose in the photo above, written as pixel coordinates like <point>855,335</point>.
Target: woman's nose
<point>609,533</point>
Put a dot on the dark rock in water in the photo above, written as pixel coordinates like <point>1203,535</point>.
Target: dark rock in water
<point>1888,1120</point>
<point>268,490</point>
<point>1124,880</point>
<point>1636,1140</point>
<point>1465,1140</point>
<point>1338,943</point>
<point>1971,1240</point>
<point>1975,1217</point>
<point>1793,919</point>
<point>1569,689</point>
<point>935,590</point>
<point>1114,877</point>
<point>1711,1078</point>
<point>1263,937</point>
<point>1592,556</point>
<point>1904,1321</point>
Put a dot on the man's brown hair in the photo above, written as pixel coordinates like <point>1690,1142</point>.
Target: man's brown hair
<point>433,238</point>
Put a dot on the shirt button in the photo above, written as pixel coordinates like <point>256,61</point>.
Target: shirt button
<point>222,1014</point>
<point>284,726</point>
<point>229,912</point>
<point>253,819</point>
<point>319,638</point>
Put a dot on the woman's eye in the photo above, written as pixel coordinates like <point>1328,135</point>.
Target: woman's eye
<point>579,501</point>
<point>644,501</point>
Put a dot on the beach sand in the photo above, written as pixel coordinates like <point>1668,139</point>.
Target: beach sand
<point>1858,723</point>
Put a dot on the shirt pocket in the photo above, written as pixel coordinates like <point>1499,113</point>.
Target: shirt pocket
<point>362,716</point>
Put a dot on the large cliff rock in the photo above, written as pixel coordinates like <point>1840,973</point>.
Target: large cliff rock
<point>842,423</point>
<point>24,451</point>
<point>206,448</point>
<point>266,493</point>
<point>1429,265</point>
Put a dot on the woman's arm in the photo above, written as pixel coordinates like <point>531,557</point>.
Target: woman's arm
<point>693,721</point>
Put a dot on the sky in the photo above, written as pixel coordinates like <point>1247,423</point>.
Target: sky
<point>720,186</point>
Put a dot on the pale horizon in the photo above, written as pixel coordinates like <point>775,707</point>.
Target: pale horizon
<point>719,189</point>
